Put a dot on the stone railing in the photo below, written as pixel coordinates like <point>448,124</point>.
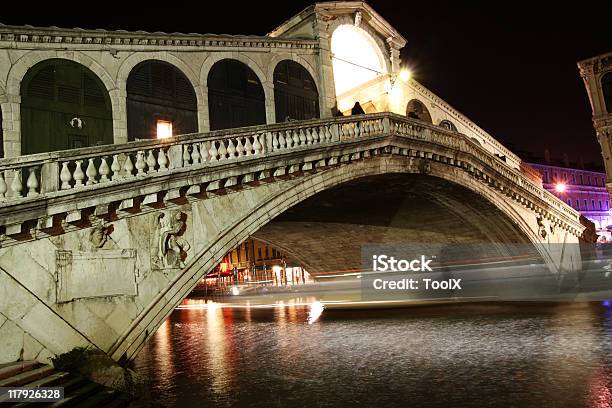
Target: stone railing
<point>39,186</point>
<point>27,177</point>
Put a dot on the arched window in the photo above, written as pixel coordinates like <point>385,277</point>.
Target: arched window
<point>416,110</point>
<point>161,102</point>
<point>447,124</point>
<point>63,106</point>
<point>235,96</point>
<point>606,87</point>
<point>357,58</point>
<point>295,92</point>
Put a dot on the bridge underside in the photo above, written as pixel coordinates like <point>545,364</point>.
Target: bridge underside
<point>327,231</point>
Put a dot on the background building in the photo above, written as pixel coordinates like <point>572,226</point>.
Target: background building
<point>253,263</point>
<point>580,185</point>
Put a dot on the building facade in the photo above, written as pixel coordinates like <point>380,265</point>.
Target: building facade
<point>584,190</point>
<point>254,263</point>
<point>596,73</point>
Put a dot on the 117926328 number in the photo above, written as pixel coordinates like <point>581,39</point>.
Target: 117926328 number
<point>33,394</point>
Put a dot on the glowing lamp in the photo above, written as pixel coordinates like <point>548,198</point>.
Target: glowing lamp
<point>405,75</point>
<point>560,187</point>
<point>164,129</point>
<point>235,291</point>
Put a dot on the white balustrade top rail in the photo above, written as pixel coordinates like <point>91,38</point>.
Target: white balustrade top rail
<point>38,174</point>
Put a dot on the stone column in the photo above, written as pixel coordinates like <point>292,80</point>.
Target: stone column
<point>327,91</point>
<point>119,104</point>
<point>11,125</point>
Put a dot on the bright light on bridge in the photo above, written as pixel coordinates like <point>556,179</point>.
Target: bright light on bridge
<point>560,187</point>
<point>405,75</point>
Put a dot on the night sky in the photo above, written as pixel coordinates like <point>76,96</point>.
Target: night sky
<point>510,67</point>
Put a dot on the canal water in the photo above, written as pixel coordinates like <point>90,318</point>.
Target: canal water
<point>478,355</point>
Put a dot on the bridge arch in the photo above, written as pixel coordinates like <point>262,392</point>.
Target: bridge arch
<point>12,96</point>
<point>159,92</point>
<point>447,124</point>
<point>249,215</point>
<point>358,55</point>
<point>606,87</point>
<point>64,105</point>
<point>417,110</point>
<point>236,95</point>
<point>296,95</point>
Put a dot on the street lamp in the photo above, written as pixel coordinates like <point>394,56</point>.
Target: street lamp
<point>405,75</point>
<point>560,187</point>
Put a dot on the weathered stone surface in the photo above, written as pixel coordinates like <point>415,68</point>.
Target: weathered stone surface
<point>12,342</point>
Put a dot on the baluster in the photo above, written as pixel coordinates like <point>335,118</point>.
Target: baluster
<point>78,175</point>
<point>248,147</point>
<point>104,170</point>
<point>231,150</point>
<point>296,138</point>
<point>116,168</point>
<point>302,137</point>
<point>358,126</point>
<point>3,186</point>
<point>239,147</point>
<point>351,131</point>
<point>140,163</point>
<point>329,134</point>
<point>213,151</point>
<point>91,172</point>
<point>162,160</point>
<point>195,154</point>
<point>32,182</point>
<point>16,186</point>
<point>309,138</point>
<point>204,152</point>
<point>281,140</point>
<point>275,141</point>
<point>186,156</point>
<point>128,167</point>
<point>315,135</point>
<point>222,150</point>
<point>65,176</point>
<point>257,146</point>
<point>151,162</point>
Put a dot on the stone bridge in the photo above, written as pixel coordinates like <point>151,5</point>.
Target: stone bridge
<point>100,244</point>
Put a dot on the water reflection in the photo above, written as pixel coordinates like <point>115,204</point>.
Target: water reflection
<point>467,355</point>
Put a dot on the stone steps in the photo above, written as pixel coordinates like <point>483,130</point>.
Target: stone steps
<point>78,391</point>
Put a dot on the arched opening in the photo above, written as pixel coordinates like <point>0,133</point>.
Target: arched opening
<point>448,125</point>
<point>236,96</point>
<point>63,106</point>
<point>606,87</point>
<point>357,59</point>
<point>161,102</point>
<point>295,92</point>
<point>417,110</point>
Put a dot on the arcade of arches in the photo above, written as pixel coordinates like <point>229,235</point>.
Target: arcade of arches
<point>64,105</point>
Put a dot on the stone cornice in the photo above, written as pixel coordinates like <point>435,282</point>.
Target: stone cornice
<point>464,120</point>
<point>77,36</point>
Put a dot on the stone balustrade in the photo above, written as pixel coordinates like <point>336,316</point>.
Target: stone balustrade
<point>29,180</point>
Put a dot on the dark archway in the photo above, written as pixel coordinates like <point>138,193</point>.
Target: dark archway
<point>417,110</point>
<point>606,87</point>
<point>63,106</point>
<point>159,93</point>
<point>295,92</point>
<point>235,96</point>
<point>447,124</point>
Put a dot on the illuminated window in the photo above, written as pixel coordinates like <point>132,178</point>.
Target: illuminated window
<point>164,129</point>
